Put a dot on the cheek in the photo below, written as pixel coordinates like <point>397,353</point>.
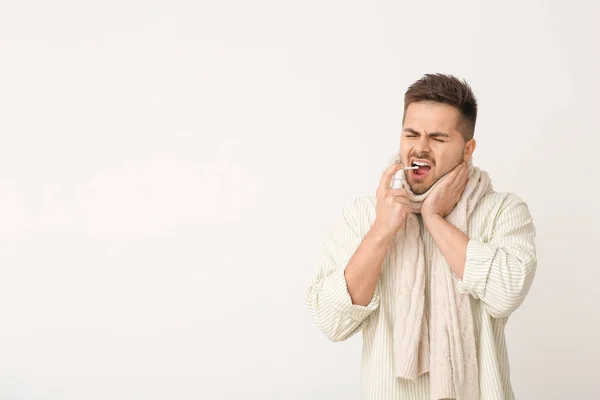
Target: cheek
<point>441,160</point>
<point>404,152</point>
<point>445,161</point>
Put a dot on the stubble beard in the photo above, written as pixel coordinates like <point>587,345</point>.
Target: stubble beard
<point>419,188</point>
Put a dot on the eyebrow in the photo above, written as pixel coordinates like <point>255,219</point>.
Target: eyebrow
<point>435,134</point>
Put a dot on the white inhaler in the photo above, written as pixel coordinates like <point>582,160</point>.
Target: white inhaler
<point>397,179</point>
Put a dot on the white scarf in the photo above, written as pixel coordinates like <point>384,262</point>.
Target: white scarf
<point>435,336</point>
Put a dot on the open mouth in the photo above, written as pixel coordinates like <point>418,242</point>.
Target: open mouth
<point>423,169</point>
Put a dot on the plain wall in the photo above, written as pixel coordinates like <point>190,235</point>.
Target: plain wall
<point>169,172</point>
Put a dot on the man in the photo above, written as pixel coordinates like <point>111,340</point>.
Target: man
<point>431,271</point>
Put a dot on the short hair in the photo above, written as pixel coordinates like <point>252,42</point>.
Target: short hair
<point>446,89</point>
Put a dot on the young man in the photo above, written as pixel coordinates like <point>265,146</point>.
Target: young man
<point>429,272</point>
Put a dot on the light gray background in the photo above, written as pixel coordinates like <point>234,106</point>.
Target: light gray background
<point>169,172</point>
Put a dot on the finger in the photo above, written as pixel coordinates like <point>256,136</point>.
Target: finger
<point>400,200</point>
<point>466,171</point>
<point>397,192</point>
<point>463,178</point>
<point>388,174</point>
<point>452,175</point>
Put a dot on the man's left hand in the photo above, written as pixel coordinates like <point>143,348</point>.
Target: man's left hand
<point>443,198</point>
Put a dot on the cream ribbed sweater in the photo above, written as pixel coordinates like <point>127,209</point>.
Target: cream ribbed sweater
<point>499,269</point>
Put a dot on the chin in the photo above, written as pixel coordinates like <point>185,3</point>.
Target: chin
<point>419,188</point>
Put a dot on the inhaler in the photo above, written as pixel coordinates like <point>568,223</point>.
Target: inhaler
<point>397,179</point>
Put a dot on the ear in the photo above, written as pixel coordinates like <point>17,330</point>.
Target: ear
<point>469,149</point>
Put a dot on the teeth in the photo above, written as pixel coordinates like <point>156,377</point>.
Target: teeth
<point>420,164</point>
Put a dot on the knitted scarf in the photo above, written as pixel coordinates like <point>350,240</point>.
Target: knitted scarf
<point>435,335</point>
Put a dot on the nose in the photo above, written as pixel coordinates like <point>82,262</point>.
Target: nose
<point>422,145</point>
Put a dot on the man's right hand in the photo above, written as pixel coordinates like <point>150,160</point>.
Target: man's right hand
<point>393,206</point>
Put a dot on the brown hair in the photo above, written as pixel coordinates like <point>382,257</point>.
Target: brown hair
<point>446,89</point>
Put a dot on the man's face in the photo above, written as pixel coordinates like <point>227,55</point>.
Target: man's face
<point>431,139</point>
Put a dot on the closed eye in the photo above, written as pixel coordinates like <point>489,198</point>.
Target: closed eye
<point>409,132</point>
<point>437,136</point>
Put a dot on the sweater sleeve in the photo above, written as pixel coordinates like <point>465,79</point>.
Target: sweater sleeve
<point>328,299</point>
<point>500,272</point>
